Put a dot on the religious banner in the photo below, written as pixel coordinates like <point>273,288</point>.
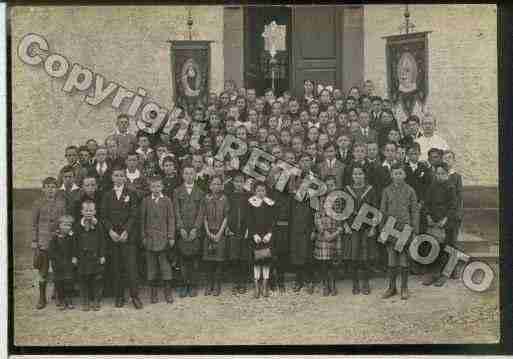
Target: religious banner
<point>191,71</point>
<point>407,73</point>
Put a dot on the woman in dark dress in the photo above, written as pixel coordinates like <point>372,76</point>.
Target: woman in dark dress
<point>261,221</point>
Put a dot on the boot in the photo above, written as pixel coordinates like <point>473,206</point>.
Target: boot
<point>59,294</point>
<point>266,288</point>
<point>256,292</point>
<point>42,296</point>
<point>193,291</point>
<point>154,295</point>
<point>356,282</point>
<point>184,290</point>
<point>404,284</point>
<point>168,292</point>
<point>334,290</point>
<point>365,282</point>
<point>392,289</point>
<point>310,288</point>
<point>98,294</point>
<point>68,296</point>
<point>84,293</point>
<point>428,279</point>
<point>135,298</point>
<point>217,288</point>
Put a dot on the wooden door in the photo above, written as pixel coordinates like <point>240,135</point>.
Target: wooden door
<point>317,44</point>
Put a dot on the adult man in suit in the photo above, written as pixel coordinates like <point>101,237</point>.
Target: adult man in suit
<point>366,133</point>
<point>331,166</point>
<point>119,211</point>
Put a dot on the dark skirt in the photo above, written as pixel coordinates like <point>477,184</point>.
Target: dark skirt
<point>359,247</point>
<point>214,251</point>
<point>258,247</point>
<point>280,240</point>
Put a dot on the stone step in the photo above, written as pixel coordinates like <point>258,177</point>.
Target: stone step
<point>472,243</point>
<point>490,256</point>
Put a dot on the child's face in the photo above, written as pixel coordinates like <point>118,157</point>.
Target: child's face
<point>331,185</point>
<point>67,179</point>
<point>358,176</point>
<point>269,97</point>
<point>85,156</point>
<point>449,159</point>
<point>323,118</point>
<point>144,143</point>
<point>169,168</point>
<point>89,185</point>
<point>241,103</point>
<point>304,117</point>
<point>50,190</point>
<point>273,122</point>
<point>311,149</point>
<point>323,139</point>
<point>285,137</point>
<point>229,86</point>
<point>394,136</point>
<point>214,120</point>
<point>101,155</point>
<point>353,116</point>
<point>441,174</point>
<point>305,163</point>
<point>65,226</point>
<point>188,175</point>
<point>252,116</point>
<point>331,129</point>
<point>251,95</point>
<point>122,124</point>
<point>314,110</point>
<point>259,106</point>
<point>262,134</point>
<point>260,191</point>
<point>71,156</point>
<point>156,187</point>
<point>289,157</point>
<point>276,152</point>
<point>297,145</point>
<point>329,153</point>
<point>234,112</point>
<point>118,177</point>
<point>272,141</point>
<point>276,109</point>
<point>413,155</point>
<point>386,119</point>
<point>230,127</point>
<point>308,86</point>
<point>389,152</point>
<point>359,153</point>
<point>355,127</point>
<point>366,103</point>
<point>293,107</point>
<point>434,158</point>
<point>219,168</point>
<point>372,150</point>
<point>216,186</point>
<point>325,97</point>
<point>197,162</point>
<point>364,119</point>
<point>88,210</point>
<point>398,175</point>
<point>112,147</point>
<point>376,106</point>
<point>131,162</point>
<point>92,146</point>
<point>313,134</point>
<point>343,142</point>
<point>161,151</point>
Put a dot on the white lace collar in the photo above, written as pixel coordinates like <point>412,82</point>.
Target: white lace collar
<point>94,221</point>
<point>132,176</point>
<point>73,187</point>
<point>257,202</point>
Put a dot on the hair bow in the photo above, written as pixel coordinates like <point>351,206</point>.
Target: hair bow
<point>321,88</point>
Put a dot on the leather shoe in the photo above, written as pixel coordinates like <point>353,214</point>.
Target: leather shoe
<point>137,303</point>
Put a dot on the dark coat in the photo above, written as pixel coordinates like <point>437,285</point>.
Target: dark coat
<point>441,202</point>
<point>81,198</point>
<point>238,245</point>
<point>419,180</point>
<point>60,253</point>
<point>170,184</point>
<point>301,226</point>
<point>157,223</point>
<point>104,181</point>
<point>456,182</point>
<point>120,215</point>
<point>89,248</point>
<point>189,212</point>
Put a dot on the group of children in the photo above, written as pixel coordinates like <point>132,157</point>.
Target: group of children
<point>151,205</point>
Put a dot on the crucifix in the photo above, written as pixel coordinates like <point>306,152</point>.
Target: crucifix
<point>274,37</point>
<point>407,26</point>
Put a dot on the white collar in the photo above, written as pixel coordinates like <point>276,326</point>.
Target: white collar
<point>101,166</point>
<point>188,185</point>
<point>119,189</point>
<point>257,202</point>
<point>133,175</point>
<point>116,132</point>
<point>139,150</point>
<point>94,221</point>
<point>452,171</point>
<point>73,187</point>
<point>159,196</point>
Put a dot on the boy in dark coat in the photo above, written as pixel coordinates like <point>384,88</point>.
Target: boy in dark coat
<point>69,190</point>
<point>60,252</point>
<point>301,227</point>
<point>119,211</point>
<point>45,213</point>
<point>89,255</point>
<point>158,235</point>
<point>237,243</point>
<point>189,203</point>
<point>102,170</point>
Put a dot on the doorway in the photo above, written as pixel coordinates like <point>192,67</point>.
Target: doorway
<point>257,71</point>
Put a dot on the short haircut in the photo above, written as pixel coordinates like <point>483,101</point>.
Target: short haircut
<point>92,140</point>
<point>168,159</point>
<point>123,115</point>
<point>83,148</point>
<point>66,218</point>
<point>415,146</point>
<point>360,144</point>
<point>88,201</point>
<point>390,143</point>
<point>328,145</point>
<point>330,178</point>
<point>49,180</point>
<point>214,177</point>
<point>358,166</point>
<point>66,169</point>
<point>350,98</point>
<point>72,147</point>
<point>260,184</point>
<point>132,153</point>
<point>413,118</point>
<point>118,168</point>
<point>376,98</point>
<point>397,166</point>
<point>435,150</point>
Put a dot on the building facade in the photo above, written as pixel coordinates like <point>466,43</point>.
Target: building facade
<point>339,45</point>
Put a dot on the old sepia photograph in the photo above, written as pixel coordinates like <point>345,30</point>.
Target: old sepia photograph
<point>191,174</point>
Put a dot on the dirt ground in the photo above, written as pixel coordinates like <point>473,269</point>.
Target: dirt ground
<point>448,315</point>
